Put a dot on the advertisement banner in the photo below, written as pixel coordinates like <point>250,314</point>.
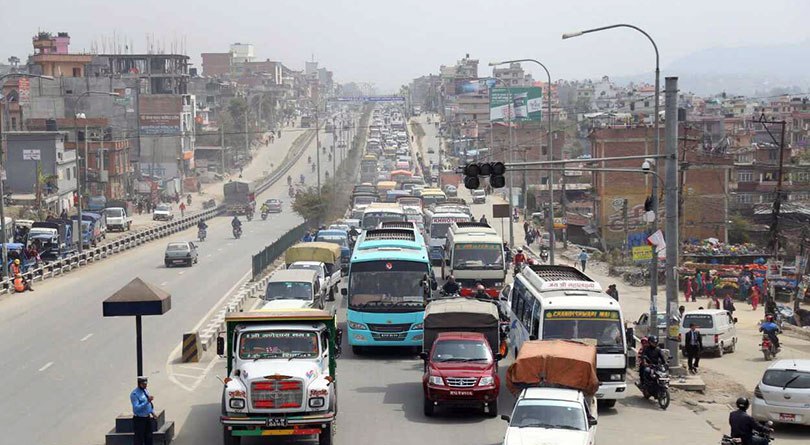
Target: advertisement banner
<point>479,86</point>
<point>515,104</point>
<point>24,90</point>
<point>166,124</point>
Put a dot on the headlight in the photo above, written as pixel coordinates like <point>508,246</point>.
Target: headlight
<point>436,380</point>
<point>486,381</point>
<point>359,326</point>
<point>615,377</point>
<point>237,403</point>
<point>499,284</point>
<point>418,326</point>
<point>316,402</point>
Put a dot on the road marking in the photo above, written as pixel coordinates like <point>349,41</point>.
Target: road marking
<point>164,283</point>
<point>219,249</point>
<point>86,337</point>
<point>47,365</point>
<point>208,256</point>
<point>181,272</point>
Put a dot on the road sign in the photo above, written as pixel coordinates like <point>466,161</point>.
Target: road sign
<point>642,253</point>
<point>500,211</point>
<point>32,155</point>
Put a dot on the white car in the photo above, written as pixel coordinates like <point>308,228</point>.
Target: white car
<point>783,394</point>
<point>162,212</point>
<point>551,416</point>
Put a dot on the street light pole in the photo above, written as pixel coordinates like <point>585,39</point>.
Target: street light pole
<point>3,227</point>
<point>550,222</point>
<point>654,262</point>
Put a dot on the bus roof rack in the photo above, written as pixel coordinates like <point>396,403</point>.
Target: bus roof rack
<point>472,224</point>
<point>397,225</point>
<point>390,234</point>
<point>546,277</point>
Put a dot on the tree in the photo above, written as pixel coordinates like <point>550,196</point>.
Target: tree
<point>313,205</point>
<point>739,230</point>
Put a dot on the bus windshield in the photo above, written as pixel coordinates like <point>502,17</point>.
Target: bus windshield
<point>603,326</point>
<point>387,286</point>
<point>372,220</point>
<point>478,256</point>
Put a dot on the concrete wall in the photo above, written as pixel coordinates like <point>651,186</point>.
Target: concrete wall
<point>55,160</point>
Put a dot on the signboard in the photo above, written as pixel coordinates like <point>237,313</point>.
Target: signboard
<point>515,104</point>
<point>160,124</point>
<point>560,223</point>
<point>480,86</point>
<point>774,269</point>
<point>642,253</point>
<point>32,155</point>
<point>567,314</point>
<point>500,211</point>
<point>370,99</point>
<point>24,90</point>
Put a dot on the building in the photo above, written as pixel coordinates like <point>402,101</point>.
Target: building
<point>43,151</point>
<point>51,57</point>
<point>242,52</point>
<point>157,73</point>
<point>513,75</point>
<point>216,64</point>
<point>167,135</point>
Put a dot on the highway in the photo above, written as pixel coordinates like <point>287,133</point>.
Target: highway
<point>67,366</point>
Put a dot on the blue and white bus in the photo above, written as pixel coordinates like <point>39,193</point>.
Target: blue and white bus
<point>389,279</point>
<point>561,302</point>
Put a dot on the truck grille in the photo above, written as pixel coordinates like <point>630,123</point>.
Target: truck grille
<point>461,382</point>
<point>277,394</point>
<point>403,327</point>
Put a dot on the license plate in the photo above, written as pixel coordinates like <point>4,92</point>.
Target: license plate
<point>277,421</point>
<point>178,261</point>
<point>787,417</point>
<point>461,393</point>
<point>389,335</point>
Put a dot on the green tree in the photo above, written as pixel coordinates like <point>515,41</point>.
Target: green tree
<point>739,230</point>
<point>313,205</point>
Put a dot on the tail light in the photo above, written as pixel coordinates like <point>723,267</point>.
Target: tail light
<point>716,339</point>
<point>679,337</point>
<point>758,393</point>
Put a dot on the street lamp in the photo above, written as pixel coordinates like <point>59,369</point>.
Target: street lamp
<point>2,169</point>
<point>654,262</point>
<point>550,156</point>
<point>78,158</point>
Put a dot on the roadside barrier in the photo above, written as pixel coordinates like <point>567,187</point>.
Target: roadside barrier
<point>268,255</point>
<point>191,347</point>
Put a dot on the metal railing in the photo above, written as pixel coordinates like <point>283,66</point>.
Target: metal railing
<point>268,255</point>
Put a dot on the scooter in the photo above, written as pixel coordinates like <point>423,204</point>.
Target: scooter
<point>264,215</point>
<point>201,234</point>
<point>769,349</point>
<point>237,232</point>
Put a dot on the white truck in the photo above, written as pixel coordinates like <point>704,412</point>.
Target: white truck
<point>281,374</point>
<point>117,219</point>
<point>555,383</point>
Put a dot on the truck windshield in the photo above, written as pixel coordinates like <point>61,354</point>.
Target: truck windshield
<point>278,344</point>
<point>551,414</point>
<point>114,213</point>
<point>385,285</point>
<point>439,230</point>
<point>478,256</point>
<point>460,351</point>
<point>288,290</point>
<point>603,326</point>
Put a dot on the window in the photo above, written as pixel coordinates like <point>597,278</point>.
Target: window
<point>745,158</point>
<point>800,176</point>
<point>77,72</point>
<point>745,176</point>
<point>773,155</point>
<point>745,198</point>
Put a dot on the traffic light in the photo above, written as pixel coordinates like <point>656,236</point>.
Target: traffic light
<point>495,171</point>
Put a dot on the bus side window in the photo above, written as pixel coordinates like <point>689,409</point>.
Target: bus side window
<point>516,293</point>
<point>527,313</point>
<point>535,331</point>
<point>520,307</point>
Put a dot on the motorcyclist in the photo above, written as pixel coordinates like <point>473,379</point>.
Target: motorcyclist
<point>770,329</point>
<point>481,291</point>
<point>289,180</point>
<point>236,223</point>
<point>302,178</point>
<point>450,286</point>
<point>651,357</point>
<point>743,425</point>
<point>519,259</point>
<point>265,208</point>
<point>201,225</point>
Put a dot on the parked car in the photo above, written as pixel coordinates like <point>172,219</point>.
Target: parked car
<point>273,205</point>
<point>479,197</point>
<point>717,329</point>
<point>783,394</point>
<point>182,252</point>
<point>162,212</point>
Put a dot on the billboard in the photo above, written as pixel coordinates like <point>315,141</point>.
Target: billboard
<point>515,104</point>
<point>24,90</point>
<point>475,86</point>
<point>163,124</point>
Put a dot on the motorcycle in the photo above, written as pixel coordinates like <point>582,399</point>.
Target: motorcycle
<point>264,215</point>
<point>769,349</point>
<point>313,167</point>
<point>656,385</point>
<point>201,235</point>
<point>544,255</point>
<point>291,192</point>
<point>728,440</point>
<point>237,232</point>
<point>249,215</point>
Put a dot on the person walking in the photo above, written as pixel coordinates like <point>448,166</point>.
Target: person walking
<point>728,304</point>
<point>693,347</point>
<point>755,297</point>
<point>143,411</point>
<point>699,282</point>
<point>583,258</point>
<point>613,292</point>
<point>687,289</point>
<point>182,209</point>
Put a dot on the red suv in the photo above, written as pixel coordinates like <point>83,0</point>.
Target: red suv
<point>460,370</point>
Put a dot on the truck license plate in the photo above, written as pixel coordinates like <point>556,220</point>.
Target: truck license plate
<point>277,421</point>
<point>787,417</point>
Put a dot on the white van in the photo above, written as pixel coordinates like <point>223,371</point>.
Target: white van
<point>717,329</point>
<point>293,289</point>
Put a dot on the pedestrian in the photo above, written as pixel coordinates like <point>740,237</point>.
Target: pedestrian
<point>754,297</point>
<point>176,197</point>
<point>715,303</point>
<point>483,219</point>
<point>140,207</point>
<point>182,209</point>
<point>613,292</point>
<point>693,345</point>
<point>63,215</point>
<point>143,411</point>
<point>709,283</point>
<point>583,258</point>
<point>681,310</point>
<point>728,304</point>
<point>699,283</point>
<point>687,289</point>
<point>525,228</point>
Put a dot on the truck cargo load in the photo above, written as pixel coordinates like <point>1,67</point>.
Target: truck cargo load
<point>556,363</point>
<point>239,197</point>
<point>461,315</point>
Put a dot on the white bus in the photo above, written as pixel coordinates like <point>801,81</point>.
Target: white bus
<point>474,257</point>
<point>560,302</point>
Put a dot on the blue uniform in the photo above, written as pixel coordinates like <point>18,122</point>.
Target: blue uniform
<point>141,406</point>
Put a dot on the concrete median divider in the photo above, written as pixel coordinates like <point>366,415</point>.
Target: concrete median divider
<point>191,347</point>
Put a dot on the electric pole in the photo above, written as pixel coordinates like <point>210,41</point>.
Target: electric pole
<point>671,202</point>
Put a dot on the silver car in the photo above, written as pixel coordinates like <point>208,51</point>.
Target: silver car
<point>184,252</point>
<point>783,394</point>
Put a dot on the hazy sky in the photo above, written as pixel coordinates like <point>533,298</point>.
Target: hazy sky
<point>390,42</point>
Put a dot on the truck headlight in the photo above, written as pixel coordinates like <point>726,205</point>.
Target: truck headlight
<point>436,380</point>
<point>237,403</point>
<point>418,327</point>
<point>486,381</point>
<point>358,326</point>
<point>316,402</point>
<point>615,377</point>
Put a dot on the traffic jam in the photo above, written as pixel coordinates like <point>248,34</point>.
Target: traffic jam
<point>418,272</point>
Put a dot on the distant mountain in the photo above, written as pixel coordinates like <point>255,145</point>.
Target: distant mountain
<point>750,71</point>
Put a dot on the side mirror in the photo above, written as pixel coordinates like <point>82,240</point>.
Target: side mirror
<point>498,356</point>
<point>735,319</point>
<point>629,334</point>
<point>423,355</point>
<point>220,346</point>
<point>344,291</point>
<point>592,421</point>
<point>506,418</point>
<point>435,286</point>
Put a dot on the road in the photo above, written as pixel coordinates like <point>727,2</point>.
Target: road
<point>66,365</point>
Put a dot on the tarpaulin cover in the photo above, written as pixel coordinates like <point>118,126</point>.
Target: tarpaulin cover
<point>561,363</point>
<point>461,315</point>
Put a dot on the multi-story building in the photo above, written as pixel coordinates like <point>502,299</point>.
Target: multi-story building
<point>242,52</point>
<point>39,170</point>
<point>513,75</point>
<point>157,73</point>
<point>217,64</point>
<point>51,57</point>
<point>167,135</point>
